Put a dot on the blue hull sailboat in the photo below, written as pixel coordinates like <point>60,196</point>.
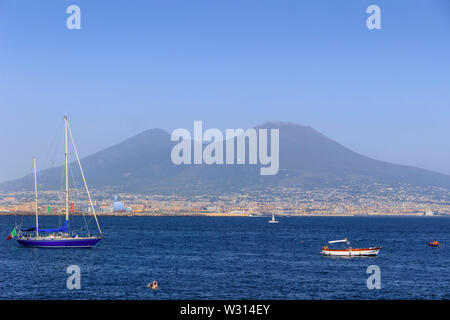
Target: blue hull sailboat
<point>59,242</point>
<point>59,237</point>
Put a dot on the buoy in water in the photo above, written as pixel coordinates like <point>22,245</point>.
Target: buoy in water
<point>435,243</point>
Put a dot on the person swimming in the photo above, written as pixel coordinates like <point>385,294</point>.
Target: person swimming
<point>153,285</point>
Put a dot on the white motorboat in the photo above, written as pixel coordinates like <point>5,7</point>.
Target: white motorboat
<point>348,251</point>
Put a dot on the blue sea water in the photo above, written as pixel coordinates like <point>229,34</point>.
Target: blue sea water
<point>235,258</point>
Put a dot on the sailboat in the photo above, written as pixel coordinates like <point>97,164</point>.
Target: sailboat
<point>273,219</point>
<point>59,237</point>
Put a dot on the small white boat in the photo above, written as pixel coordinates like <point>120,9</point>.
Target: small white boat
<point>348,251</point>
<point>273,219</point>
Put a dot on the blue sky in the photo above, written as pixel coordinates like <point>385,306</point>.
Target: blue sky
<point>136,65</point>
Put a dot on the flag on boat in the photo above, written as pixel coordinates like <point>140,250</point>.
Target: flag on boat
<point>72,207</point>
<point>12,234</point>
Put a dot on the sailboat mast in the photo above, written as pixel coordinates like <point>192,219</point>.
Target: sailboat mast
<point>67,168</point>
<point>36,198</point>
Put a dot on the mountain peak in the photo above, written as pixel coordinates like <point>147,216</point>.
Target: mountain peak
<point>280,124</point>
<point>143,163</point>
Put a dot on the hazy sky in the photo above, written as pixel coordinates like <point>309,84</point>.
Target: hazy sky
<point>136,65</point>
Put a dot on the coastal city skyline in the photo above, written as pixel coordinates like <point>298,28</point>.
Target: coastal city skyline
<point>373,200</point>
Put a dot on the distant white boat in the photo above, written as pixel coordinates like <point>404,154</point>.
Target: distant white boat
<point>237,212</point>
<point>349,251</point>
<point>273,219</point>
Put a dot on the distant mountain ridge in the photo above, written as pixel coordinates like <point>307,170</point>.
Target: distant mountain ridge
<point>142,163</point>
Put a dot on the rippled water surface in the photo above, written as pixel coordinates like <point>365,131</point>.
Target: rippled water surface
<point>235,258</point>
